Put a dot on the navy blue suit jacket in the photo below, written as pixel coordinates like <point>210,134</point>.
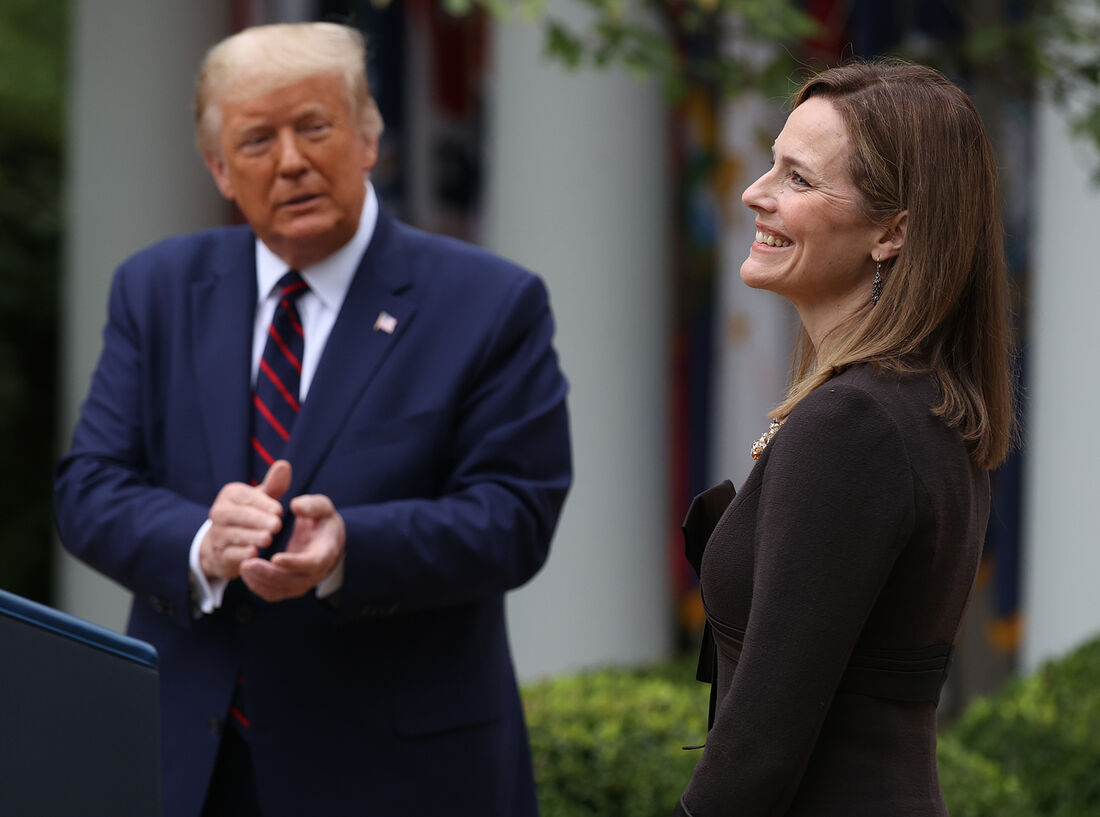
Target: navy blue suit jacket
<point>445,448</point>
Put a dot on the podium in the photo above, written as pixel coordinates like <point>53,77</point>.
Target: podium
<point>79,719</point>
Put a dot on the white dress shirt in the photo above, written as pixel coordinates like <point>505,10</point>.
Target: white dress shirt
<point>318,308</point>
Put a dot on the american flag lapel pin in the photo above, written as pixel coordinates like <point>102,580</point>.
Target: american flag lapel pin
<point>385,322</point>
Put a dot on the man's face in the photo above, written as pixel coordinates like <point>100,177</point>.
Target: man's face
<point>293,160</point>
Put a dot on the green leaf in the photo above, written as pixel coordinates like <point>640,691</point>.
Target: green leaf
<point>459,8</point>
<point>561,44</point>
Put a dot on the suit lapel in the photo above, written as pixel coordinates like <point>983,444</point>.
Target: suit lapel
<point>222,306</point>
<point>356,347</point>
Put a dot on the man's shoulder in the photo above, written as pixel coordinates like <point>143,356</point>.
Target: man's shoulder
<point>191,254</point>
<point>439,257</point>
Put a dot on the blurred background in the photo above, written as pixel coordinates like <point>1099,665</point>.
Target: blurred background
<point>605,146</point>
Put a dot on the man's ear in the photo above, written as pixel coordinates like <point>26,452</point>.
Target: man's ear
<point>892,237</point>
<point>368,153</point>
<point>216,164</point>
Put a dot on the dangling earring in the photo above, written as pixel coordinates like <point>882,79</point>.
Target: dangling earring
<point>876,287</point>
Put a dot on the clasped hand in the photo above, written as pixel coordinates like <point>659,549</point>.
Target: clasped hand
<point>245,521</point>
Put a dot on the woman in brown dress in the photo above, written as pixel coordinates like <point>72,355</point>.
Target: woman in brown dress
<point>835,581</point>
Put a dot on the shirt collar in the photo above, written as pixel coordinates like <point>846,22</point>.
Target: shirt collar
<point>330,278</point>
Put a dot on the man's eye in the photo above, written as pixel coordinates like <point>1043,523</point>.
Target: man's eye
<point>797,179</point>
<point>256,141</point>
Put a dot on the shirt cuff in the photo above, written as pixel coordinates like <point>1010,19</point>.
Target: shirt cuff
<point>206,594</point>
<point>332,582</point>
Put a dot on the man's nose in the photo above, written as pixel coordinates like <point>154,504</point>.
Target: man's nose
<point>291,160</point>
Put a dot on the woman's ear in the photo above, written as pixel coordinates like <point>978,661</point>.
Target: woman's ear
<point>892,237</point>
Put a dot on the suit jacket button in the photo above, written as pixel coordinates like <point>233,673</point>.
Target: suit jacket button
<point>215,726</point>
<point>156,604</point>
<point>244,614</point>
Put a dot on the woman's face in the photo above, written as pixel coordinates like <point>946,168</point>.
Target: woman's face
<point>813,244</point>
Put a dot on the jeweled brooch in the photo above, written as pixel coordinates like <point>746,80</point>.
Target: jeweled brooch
<point>765,438</point>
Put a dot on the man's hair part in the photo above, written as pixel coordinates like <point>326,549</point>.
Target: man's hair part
<point>261,59</point>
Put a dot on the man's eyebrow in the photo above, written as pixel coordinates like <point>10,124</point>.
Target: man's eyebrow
<point>313,109</point>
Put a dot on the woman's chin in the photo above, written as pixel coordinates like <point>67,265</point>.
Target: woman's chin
<point>753,276</point>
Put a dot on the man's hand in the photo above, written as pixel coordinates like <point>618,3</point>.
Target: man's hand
<point>315,547</point>
<point>245,520</point>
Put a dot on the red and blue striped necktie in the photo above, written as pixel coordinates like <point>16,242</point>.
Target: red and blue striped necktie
<point>275,401</point>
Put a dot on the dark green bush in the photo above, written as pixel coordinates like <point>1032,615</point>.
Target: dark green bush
<point>32,69</point>
<point>608,742</point>
<point>1045,731</point>
<point>975,786</point>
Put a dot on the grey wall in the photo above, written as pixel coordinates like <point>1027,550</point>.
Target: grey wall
<point>133,177</point>
<point>1062,490</point>
<point>579,192</point>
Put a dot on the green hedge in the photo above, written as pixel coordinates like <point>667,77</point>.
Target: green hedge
<point>32,74</point>
<point>1044,730</point>
<point>609,742</point>
<point>975,786</point>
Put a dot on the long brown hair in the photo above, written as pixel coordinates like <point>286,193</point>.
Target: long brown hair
<point>918,145</point>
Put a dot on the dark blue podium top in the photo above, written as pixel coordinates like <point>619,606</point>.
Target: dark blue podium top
<point>79,717</point>
<point>76,629</point>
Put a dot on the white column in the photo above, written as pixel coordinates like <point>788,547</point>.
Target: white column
<point>578,191</point>
<point>753,328</point>
<point>134,177</point>
<point>1062,528</point>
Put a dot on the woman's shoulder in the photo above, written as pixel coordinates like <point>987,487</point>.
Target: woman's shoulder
<point>849,404</point>
<point>862,404</point>
<point>847,432</point>
<point>900,395</point>
<point>872,408</point>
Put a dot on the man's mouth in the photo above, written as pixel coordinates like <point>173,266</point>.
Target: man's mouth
<point>304,198</point>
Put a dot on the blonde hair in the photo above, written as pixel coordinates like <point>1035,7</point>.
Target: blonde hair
<point>918,146</point>
<point>258,60</point>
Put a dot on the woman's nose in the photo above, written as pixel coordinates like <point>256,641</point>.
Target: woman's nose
<point>758,196</point>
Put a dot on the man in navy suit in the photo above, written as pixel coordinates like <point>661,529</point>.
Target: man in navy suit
<point>329,617</point>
